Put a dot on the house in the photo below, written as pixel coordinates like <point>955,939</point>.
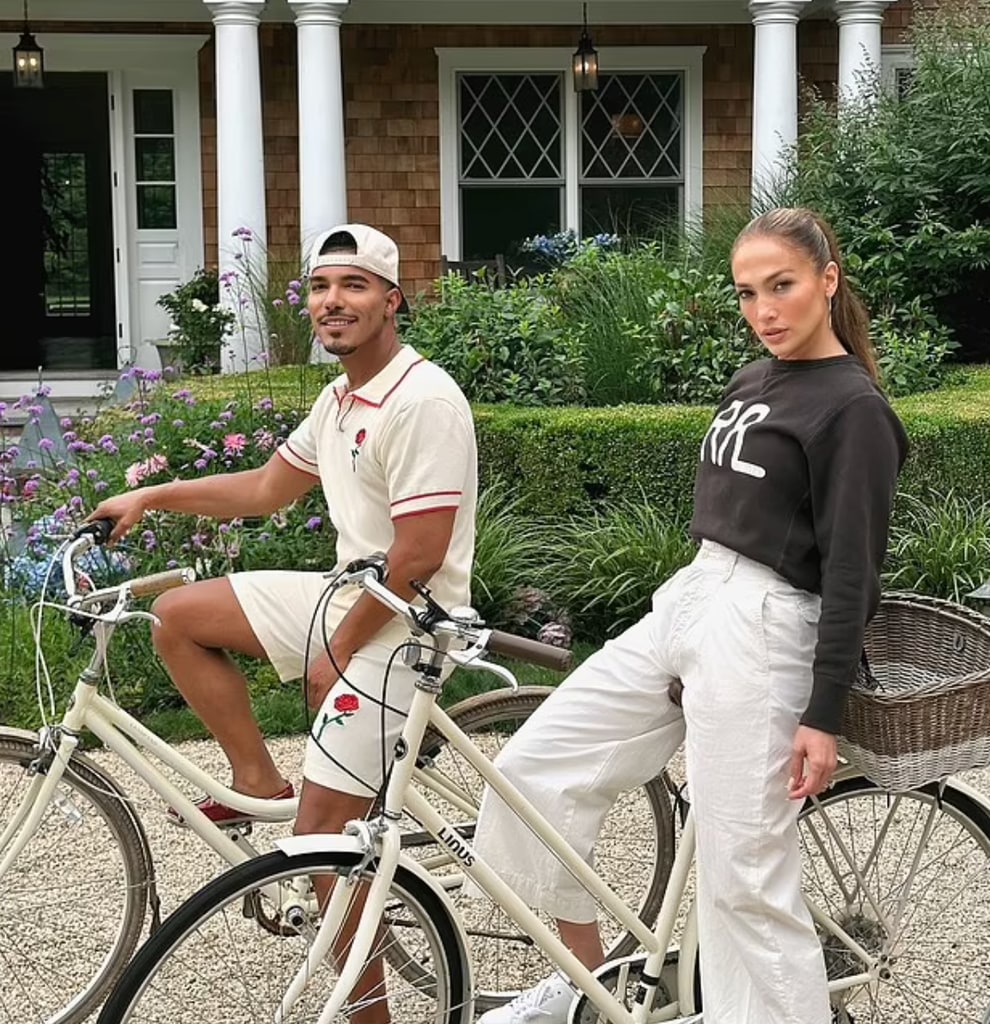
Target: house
<point>163,126</point>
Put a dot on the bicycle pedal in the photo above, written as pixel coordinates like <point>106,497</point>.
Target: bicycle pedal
<point>240,828</point>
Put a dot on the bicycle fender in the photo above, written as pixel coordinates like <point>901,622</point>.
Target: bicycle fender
<point>337,843</point>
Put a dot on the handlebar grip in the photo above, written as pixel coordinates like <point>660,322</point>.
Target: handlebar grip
<point>524,649</point>
<point>158,582</point>
<point>98,529</point>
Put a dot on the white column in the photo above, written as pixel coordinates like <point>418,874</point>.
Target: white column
<point>775,86</point>
<point>240,168</point>
<point>860,24</point>
<point>322,166</point>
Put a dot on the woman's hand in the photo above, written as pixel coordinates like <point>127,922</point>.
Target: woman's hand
<point>813,762</point>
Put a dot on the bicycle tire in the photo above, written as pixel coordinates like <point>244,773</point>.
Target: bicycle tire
<point>506,961</point>
<point>938,963</point>
<point>61,955</point>
<point>184,972</point>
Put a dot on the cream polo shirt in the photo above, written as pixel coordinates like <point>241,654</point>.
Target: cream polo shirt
<point>401,445</point>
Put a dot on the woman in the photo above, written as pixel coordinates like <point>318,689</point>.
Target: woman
<point>765,629</point>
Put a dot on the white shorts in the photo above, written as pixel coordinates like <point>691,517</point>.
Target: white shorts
<point>354,732</point>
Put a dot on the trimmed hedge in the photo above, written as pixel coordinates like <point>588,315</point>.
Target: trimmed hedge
<point>566,461</point>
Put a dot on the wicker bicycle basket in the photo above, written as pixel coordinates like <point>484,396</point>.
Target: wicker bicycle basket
<point>920,710</point>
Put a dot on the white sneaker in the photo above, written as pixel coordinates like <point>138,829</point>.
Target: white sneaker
<point>547,1003</point>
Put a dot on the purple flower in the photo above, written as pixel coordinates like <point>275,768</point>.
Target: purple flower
<point>265,404</point>
<point>172,563</point>
<point>70,435</point>
<point>149,432</point>
<point>200,464</point>
<point>314,523</point>
<point>295,285</point>
<point>277,302</point>
<point>293,298</point>
<point>226,415</point>
<point>134,437</point>
<point>65,423</point>
<point>100,485</point>
<point>72,477</point>
<point>178,424</point>
<point>35,410</point>
<point>152,417</point>
<point>46,444</point>
<point>198,540</point>
<point>150,540</point>
<point>244,233</point>
<point>304,311</point>
<point>224,528</point>
<point>75,501</point>
<point>92,474</point>
<point>31,488</point>
<point>3,408</point>
<point>182,393</point>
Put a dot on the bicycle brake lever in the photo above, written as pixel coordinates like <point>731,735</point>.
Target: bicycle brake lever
<point>471,659</point>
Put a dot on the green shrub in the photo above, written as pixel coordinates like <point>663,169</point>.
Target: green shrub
<point>939,545</point>
<point>604,567</point>
<point>906,180</point>
<point>507,555</point>
<point>198,321</point>
<point>499,344</point>
<point>653,324</point>
<point>569,461</point>
<point>911,349</point>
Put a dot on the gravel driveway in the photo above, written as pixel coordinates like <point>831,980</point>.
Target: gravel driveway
<point>184,864</point>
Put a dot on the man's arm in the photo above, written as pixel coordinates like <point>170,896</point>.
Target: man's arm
<point>417,552</point>
<point>251,492</point>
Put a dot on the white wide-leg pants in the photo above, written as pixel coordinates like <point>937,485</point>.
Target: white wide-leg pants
<point>742,641</point>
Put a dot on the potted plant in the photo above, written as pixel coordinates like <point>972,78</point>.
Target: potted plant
<point>198,324</point>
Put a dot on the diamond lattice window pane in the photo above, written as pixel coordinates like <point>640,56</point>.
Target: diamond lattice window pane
<point>510,127</point>
<point>631,128</point>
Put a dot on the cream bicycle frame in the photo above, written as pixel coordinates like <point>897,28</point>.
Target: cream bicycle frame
<point>383,845</point>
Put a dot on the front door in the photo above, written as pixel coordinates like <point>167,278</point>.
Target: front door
<point>58,294</point>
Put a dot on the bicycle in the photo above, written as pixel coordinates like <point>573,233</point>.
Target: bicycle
<point>58,806</point>
<point>882,868</point>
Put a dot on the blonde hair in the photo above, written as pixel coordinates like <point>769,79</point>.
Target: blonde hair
<point>811,235</point>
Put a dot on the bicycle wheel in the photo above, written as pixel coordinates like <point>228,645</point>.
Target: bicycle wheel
<point>633,855</point>
<point>73,903</point>
<point>907,875</point>
<point>212,961</point>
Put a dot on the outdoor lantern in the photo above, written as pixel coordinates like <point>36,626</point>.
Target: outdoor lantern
<point>585,61</point>
<point>29,60</point>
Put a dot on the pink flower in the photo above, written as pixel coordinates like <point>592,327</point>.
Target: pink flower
<point>140,471</point>
<point>234,444</point>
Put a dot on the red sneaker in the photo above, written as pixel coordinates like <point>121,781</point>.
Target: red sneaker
<point>221,814</point>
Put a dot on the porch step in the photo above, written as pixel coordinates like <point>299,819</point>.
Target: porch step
<point>71,393</point>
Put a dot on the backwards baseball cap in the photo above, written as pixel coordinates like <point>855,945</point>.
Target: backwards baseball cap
<point>373,251</point>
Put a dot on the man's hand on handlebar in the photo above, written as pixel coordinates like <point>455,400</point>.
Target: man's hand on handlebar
<point>125,510</point>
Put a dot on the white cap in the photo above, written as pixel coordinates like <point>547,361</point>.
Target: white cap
<point>374,251</point>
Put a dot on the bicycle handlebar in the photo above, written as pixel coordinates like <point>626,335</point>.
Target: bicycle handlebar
<point>519,647</point>
<point>523,649</point>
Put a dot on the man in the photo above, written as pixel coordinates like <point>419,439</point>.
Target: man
<point>392,443</point>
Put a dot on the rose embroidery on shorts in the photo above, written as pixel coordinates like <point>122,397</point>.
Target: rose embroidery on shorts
<point>356,450</point>
<point>345,704</point>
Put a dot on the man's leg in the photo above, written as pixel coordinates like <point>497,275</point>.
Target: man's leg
<point>199,624</point>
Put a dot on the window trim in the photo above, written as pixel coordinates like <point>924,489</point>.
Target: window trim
<point>894,58</point>
<point>508,60</point>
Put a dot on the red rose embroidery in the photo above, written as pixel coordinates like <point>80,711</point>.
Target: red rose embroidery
<point>360,436</point>
<point>356,450</point>
<point>346,702</point>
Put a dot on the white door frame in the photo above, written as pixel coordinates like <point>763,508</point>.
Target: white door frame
<point>173,58</point>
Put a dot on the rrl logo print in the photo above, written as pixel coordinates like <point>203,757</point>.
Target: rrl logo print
<point>729,429</point>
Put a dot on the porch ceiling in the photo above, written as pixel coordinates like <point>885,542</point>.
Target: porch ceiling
<point>410,12</point>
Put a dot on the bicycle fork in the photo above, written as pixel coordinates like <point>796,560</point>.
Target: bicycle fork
<point>40,793</point>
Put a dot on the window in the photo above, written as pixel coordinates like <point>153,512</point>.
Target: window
<point>522,154</point>
<point>68,291</point>
<point>154,158</point>
<point>632,161</point>
<point>897,70</point>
